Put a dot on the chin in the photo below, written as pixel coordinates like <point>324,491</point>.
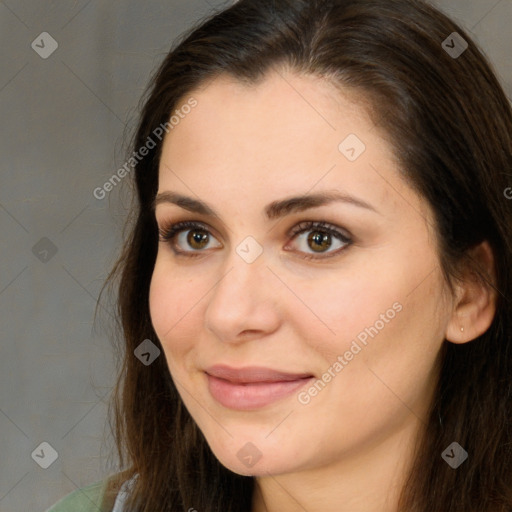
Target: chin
<point>253,458</point>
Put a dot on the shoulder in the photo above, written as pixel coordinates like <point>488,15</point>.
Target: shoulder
<point>96,497</point>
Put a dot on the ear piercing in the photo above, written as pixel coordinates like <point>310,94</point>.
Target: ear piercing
<point>462,329</point>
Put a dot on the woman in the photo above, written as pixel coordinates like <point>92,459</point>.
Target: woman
<point>315,294</point>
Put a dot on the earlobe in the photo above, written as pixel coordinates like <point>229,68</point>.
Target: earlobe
<point>474,306</point>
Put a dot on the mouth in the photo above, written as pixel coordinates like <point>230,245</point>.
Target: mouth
<point>252,387</point>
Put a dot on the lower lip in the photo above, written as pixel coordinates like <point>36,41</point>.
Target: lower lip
<point>246,397</point>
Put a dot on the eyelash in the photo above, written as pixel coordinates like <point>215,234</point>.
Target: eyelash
<point>168,233</point>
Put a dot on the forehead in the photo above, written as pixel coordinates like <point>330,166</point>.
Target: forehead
<point>279,137</point>
<point>284,114</point>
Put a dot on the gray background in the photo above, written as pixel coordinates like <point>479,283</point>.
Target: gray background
<point>64,122</point>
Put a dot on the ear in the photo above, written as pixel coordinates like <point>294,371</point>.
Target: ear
<point>474,304</point>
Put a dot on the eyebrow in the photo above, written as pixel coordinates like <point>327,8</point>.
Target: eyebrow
<point>274,210</point>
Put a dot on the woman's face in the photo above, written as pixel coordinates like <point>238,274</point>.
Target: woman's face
<point>330,333</point>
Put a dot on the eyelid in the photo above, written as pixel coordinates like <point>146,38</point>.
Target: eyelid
<point>308,225</point>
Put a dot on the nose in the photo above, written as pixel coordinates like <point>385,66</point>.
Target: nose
<point>244,303</point>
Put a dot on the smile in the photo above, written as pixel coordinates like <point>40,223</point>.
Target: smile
<point>252,387</point>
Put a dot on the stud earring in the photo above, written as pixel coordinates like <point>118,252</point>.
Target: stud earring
<point>462,329</point>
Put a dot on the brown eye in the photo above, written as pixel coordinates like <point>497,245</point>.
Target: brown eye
<point>188,238</point>
<point>197,238</point>
<point>319,241</point>
<point>321,238</point>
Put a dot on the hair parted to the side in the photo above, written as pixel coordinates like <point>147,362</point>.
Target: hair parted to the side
<point>450,125</point>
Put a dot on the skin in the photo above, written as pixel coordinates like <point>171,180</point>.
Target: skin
<point>241,148</point>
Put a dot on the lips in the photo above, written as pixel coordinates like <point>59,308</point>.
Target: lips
<point>252,387</point>
<point>253,374</point>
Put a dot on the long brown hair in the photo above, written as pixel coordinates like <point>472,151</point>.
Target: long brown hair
<point>450,125</point>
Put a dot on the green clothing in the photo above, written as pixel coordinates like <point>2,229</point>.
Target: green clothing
<point>93,498</point>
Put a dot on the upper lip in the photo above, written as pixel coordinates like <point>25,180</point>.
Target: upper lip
<point>249,374</point>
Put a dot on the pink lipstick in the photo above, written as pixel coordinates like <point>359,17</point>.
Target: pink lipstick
<point>252,387</point>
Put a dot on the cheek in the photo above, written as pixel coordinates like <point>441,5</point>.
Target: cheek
<point>341,308</point>
<point>389,339</point>
<point>381,380</point>
<point>172,301</point>
<point>388,321</point>
<point>379,309</point>
<point>161,301</point>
